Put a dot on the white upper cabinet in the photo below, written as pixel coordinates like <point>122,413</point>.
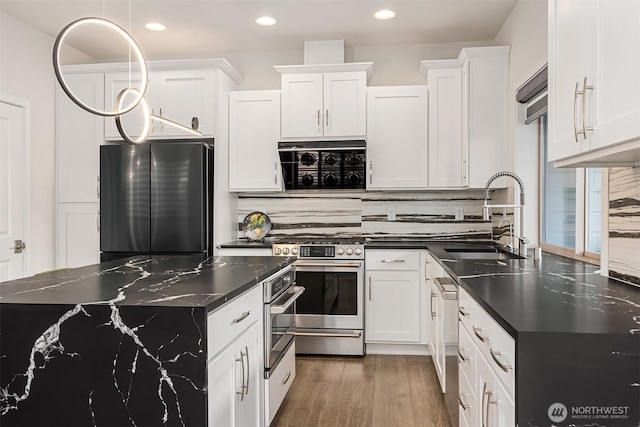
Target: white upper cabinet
<point>324,102</point>
<point>183,96</point>
<point>594,90</point>
<point>254,131</point>
<point>78,138</point>
<point>447,156</point>
<point>468,123</point>
<point>397,137</point>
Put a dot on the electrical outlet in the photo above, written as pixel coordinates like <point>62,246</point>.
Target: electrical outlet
<point>459,214</point>
<point>391,214</point>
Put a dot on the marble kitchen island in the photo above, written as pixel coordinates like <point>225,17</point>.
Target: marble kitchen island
<point>118,343</point>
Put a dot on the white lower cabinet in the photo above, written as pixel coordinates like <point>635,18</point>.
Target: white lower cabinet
<point>77,234</point>
<point>486,368</point>
<point>395,300</point>
<point>278,384</point>
<point>235,373</point>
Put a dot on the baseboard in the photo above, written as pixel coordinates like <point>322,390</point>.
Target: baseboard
<point>398,349</point>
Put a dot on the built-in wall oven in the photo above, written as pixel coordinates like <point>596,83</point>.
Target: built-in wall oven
<point>280,296</point>
<point>330,316</point>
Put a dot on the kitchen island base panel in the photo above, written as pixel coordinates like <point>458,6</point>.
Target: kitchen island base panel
<point>591,379</point>
<point>66,365</point>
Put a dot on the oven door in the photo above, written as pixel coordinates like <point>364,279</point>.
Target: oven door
<point>280,320</point>
<point>334,292</point>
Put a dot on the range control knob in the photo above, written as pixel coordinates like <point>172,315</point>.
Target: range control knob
<point>277,251</point>
<point>285,251</point>
<point>358,251</point>
<point>349,251</point>
<point>340,251</point>
<point>294,251</point>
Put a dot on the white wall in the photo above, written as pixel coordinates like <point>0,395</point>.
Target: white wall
<point>26,72</point>
<point>525,30</point>
<point>392,65</point>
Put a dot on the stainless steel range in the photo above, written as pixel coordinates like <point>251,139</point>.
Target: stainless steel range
<point>330,316</point>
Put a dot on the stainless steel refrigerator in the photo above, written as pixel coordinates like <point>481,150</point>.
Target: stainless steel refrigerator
<point>156,198</point>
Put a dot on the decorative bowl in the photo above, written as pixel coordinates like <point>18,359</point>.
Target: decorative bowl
<point>256,226</point>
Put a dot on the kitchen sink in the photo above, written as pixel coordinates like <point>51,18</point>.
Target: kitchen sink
<point>488,254</point>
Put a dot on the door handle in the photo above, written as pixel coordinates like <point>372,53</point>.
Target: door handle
<point>18,246</point>
<point>370,172</point>
<point>576,132</point>
<point>241,318</point>
<point>275,173</point>
<point>326,120</point>
<point>369,288</point>
<point>585,128</point>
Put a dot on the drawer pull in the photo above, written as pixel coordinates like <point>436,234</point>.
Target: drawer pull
<point>494,356</point>
<point>480,337</point>
<point>392,260</point>
<point>463,311</point>
<point>286,378</point>
<point>241,318</point>
<point>462,357</point>
<point>461,400</point>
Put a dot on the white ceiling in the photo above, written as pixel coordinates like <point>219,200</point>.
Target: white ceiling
<point>210,28</point>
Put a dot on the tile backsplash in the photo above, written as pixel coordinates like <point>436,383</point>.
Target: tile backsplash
<point>624,224</point>
<point>366,214</point>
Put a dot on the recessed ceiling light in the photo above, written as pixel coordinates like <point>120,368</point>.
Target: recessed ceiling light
<point>384,14</point>
<point>266,21</point>
<point>155,26</point>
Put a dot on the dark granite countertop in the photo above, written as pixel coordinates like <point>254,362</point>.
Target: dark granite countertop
<point>171,281</point>
<point>556,294</point>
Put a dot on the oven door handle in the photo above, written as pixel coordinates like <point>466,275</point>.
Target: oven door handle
<point>354,264</point>
<point>279,309</point>
<point>357,334</point>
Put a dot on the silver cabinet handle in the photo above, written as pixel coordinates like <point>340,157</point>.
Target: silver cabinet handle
<point>433,314</point>
<point>464,171</point>
<point>462,404</point>
<point>279,309</point>
<point>98,186</point>
<point>480,337</point>
<point>461,356</point>
<point>318,120</point>
<point>391,261</point>
<point>286,378</point>
<point>98,222</point>
<point>483,414</point>
<point>463,311</point>
<point>370,172</point>
<point>241,360</point>
<point>575,102</point>
<point>161,125</point>
<point>585,128</point>
<point>369,288</point>
<point>494,356</point>
<point>275,173</point>
<point>241,318</point>
<point>326,120</point>
<point>246,353</point>
<point>153,113</point>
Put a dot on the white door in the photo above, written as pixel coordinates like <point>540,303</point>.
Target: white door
<point>302,105</point>
<point>12,191</point>
<point>345,104</point>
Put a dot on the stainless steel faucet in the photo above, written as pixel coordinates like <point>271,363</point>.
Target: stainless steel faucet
<point>522,241</point>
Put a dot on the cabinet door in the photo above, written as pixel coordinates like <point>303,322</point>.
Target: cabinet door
<point>345,103</point>
<point>573,31</point>
<point>254,131</point>
<point>133,121</point>
<point>77,235</point>
<point>186,97</point>
<point>302,105</point>
<point>392,311</point>
<point>397,137</point>
<point>618,86</point>
<point>445,129</point>
<point>234,382</point>
<point>437,330</point>
<point>496,407</point>
<point>78,137</point>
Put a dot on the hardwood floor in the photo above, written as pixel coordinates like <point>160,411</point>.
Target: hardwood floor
<point>378,391</point>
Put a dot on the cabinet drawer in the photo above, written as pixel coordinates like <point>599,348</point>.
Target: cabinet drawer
<point>230,320</point>
<point>498,349</point>
<point>392,260</point>
<point>467,308</point>
<point>467,397</point>
<point>279,382</point>
<point>467,355</point>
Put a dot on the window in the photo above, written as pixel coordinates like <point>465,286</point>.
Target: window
<point>570,204</point>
